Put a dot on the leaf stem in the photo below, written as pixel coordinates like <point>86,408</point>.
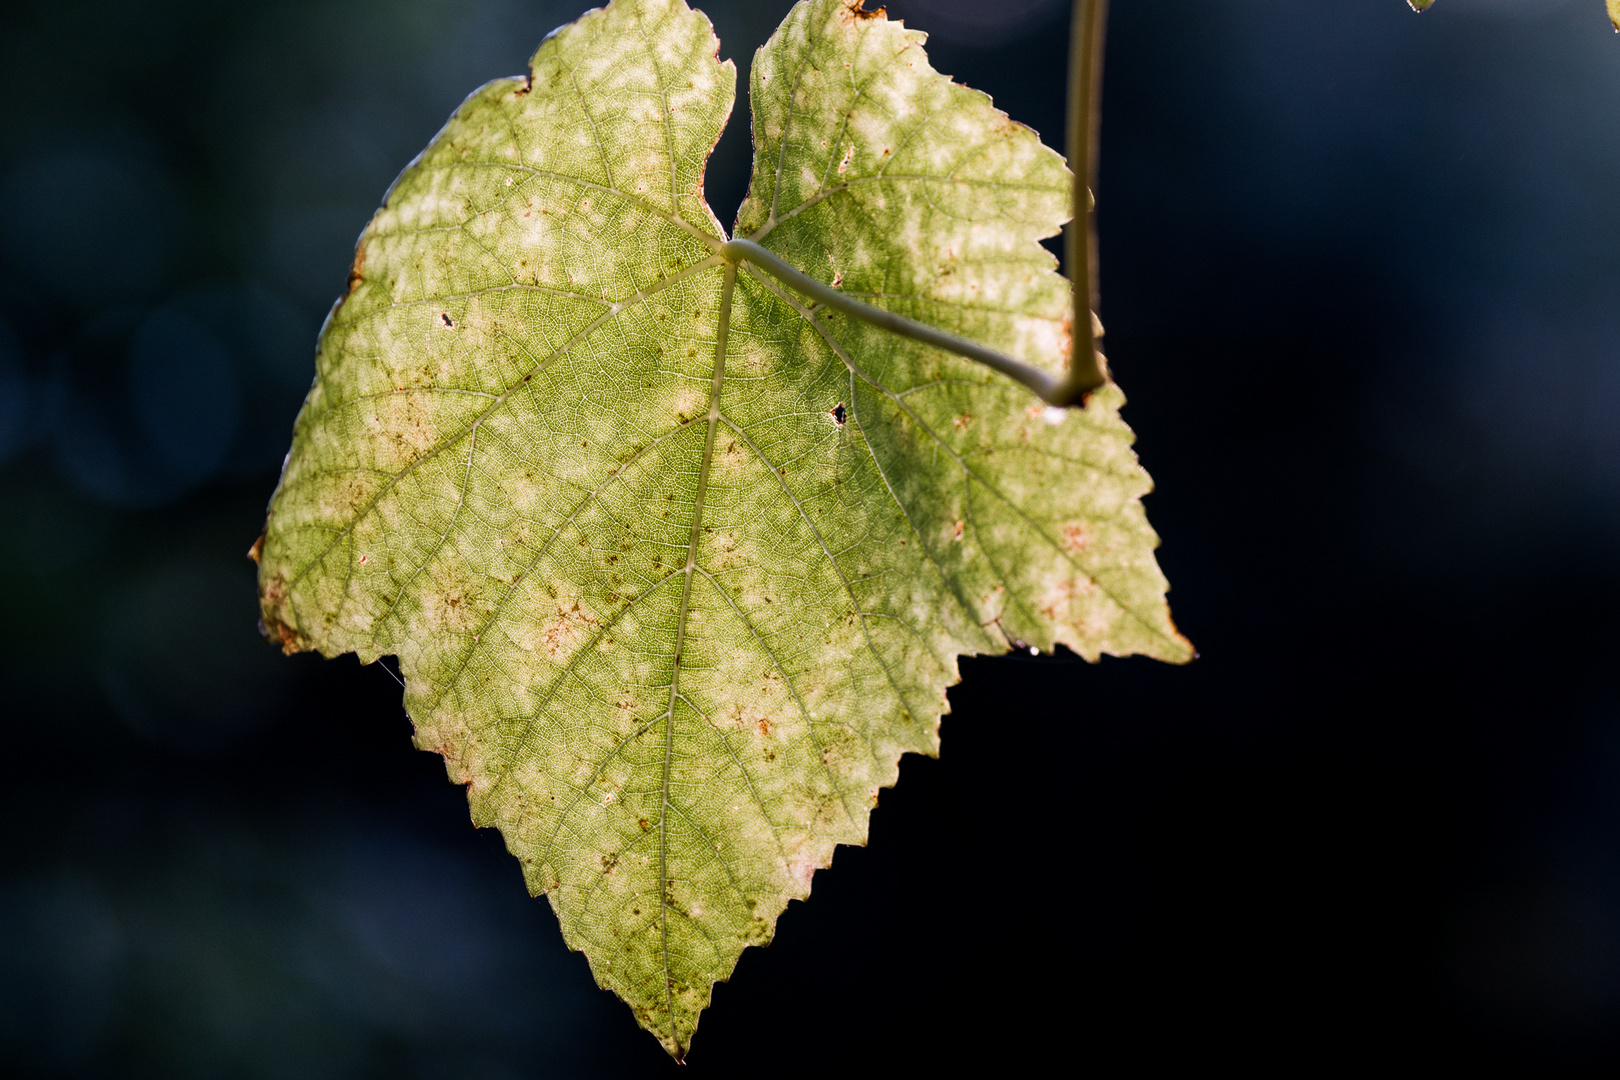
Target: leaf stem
<point>1047,386</point>
<point>1086,366</point>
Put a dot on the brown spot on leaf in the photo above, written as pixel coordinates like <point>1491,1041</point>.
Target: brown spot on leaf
<point>272,602</point>
<point>1006,127</point>
<point>1058,600</point>
<point>290,640</point>
<point>257,550</point>
<point>1076,537</point>
<point>357,268</point>
<point>563,632</point>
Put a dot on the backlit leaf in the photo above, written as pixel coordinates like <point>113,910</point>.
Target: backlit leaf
<point>675,566</point>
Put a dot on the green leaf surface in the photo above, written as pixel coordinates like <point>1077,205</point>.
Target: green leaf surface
<point>676,567</point>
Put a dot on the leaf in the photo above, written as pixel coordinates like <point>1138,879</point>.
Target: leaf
<point>675,567</point>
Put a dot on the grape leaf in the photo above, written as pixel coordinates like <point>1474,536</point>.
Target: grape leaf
<point>676,566</point>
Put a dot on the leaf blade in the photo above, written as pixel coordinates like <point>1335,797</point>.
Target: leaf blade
<point>670,587</point>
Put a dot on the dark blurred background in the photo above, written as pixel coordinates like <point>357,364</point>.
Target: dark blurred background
<point>1361,276</point>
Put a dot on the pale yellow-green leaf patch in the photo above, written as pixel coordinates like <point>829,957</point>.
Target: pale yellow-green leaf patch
<point>676,567</point>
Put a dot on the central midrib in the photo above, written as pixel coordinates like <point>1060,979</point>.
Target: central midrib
<point>724,327</point>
